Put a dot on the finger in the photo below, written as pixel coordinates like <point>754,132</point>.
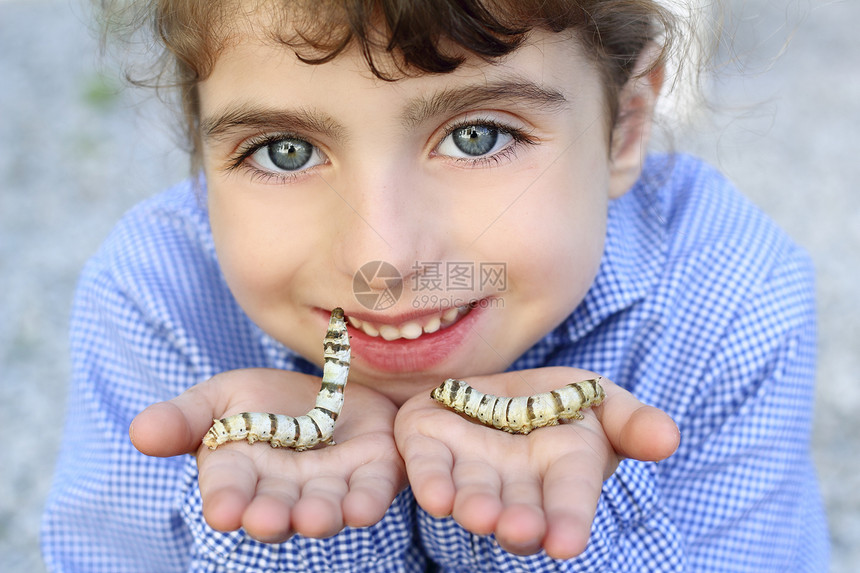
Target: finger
<point>522,488</point>
<point>372,489</point>
<point>572,487</point>
<point>318,512</point>
<point>522,524</point>
<point>178,425</point>
<point>227,482</point>
<point>521,529</point>
<point>478,501</point>
<point>429,464</point>
<point>164,430</point>
<point>636,430</point>
<point>649,435</point>
<point>268,516</point>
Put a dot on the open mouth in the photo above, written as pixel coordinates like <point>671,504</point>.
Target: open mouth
<point>414,342</point>
<point>413,328</point>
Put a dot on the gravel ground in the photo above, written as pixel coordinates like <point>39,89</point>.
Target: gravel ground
<point>77,151</point>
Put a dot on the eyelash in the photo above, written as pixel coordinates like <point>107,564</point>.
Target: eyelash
<point>239,160</point>
<point>519,137</point>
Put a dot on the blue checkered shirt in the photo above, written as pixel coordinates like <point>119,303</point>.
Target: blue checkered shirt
<point>701,307</point>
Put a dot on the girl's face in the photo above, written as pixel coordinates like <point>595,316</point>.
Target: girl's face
<point>403,202</point>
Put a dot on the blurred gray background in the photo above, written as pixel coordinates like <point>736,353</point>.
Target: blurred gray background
<point>77,150</point>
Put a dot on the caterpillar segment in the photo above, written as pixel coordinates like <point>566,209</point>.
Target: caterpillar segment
<point>304,432</point>
<point>521,414</point>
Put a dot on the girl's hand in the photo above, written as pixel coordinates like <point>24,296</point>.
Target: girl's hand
<point>533,491</point>
<point>275,492</point>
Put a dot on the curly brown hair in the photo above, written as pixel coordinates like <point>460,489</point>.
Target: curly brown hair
<point>409,36</point>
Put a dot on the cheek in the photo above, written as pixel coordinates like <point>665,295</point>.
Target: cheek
<point>561,265</point>
<point>258,250</point>
<point>552,241</point>
<point>557,244</point>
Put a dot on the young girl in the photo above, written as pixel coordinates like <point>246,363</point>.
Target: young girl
<point>439,140</point>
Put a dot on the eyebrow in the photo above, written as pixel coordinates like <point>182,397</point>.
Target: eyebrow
<point>512,92</point>
<point>449,101</point>
<point>254,118</point>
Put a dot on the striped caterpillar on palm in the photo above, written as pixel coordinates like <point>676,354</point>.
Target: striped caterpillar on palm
<point>521,414</point>
<point>304,432</point>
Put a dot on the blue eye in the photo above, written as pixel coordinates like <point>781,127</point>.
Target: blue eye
<point>290,154</point>
<point>287,154</point>
<point>474,141</point>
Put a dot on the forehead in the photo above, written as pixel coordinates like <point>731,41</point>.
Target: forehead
<point>547,67</point>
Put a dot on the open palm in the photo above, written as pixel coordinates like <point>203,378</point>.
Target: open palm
<point>532,491</point>
<point>274,493</point>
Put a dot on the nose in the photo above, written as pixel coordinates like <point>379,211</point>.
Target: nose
<point>388,217</point>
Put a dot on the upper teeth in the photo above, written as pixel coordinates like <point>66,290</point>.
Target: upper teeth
<point>412,329</point>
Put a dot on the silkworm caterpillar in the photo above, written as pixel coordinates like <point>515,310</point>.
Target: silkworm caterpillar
<point>522,414</point>
<point>315,427</point>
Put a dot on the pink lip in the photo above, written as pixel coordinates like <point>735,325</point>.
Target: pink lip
<point>402,355</point>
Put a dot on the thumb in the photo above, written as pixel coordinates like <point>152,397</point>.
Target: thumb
<point>636,430</point>
<point>167,429</point>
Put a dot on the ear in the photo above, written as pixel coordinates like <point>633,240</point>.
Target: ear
<point>632,129</point>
